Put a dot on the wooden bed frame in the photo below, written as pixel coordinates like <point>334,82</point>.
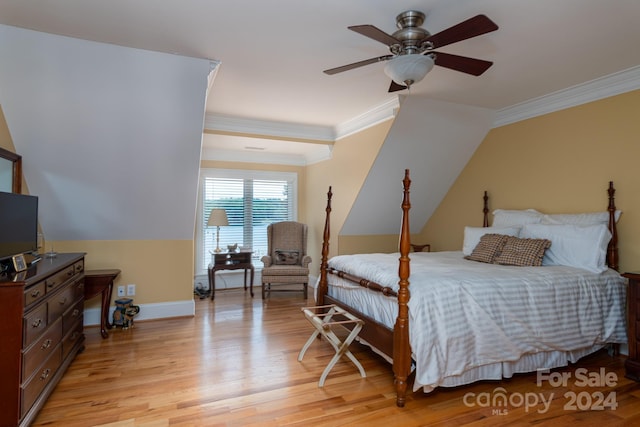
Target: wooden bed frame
<point>395,343</point>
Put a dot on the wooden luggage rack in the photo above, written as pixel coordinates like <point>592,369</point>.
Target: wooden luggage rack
<point>321,319</point>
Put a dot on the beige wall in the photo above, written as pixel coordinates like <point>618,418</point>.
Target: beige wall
<point>162,270</point>
<point>5,136</point>
<point>7,143</point>
<point>345,172</point>
<point>560,162</point>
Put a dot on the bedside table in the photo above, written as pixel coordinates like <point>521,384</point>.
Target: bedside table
<point>230,261</point>
<point>632,364</point>
<point>421,248</point>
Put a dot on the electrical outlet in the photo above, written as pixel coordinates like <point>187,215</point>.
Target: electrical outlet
<point>121,290</point>
<point>131,290</point>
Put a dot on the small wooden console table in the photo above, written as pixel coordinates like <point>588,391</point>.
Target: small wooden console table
<point>230,261</point>
<point>101,282</point>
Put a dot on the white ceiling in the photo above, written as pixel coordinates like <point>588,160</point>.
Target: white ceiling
<point>272,53</point>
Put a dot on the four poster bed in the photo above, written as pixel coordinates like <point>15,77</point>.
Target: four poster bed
<point>472,314</point>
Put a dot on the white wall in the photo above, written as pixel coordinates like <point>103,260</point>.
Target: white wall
<point>110,136</point>
<point>435,140</point>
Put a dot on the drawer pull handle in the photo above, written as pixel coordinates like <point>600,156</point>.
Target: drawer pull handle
<point>35,293</point>
<point>45,374</point>
<point>51,284</point>
<point>63,301</point>
<point>74,336</point>
<point>36,323</point>
<point>75,313</point>
<point>45,345</point>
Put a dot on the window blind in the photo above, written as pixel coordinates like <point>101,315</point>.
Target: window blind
<point>252,201</point>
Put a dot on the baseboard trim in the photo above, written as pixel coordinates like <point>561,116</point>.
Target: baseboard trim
<point>161,310</point>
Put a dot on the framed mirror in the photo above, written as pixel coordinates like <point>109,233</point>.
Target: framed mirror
<point>10,171</point>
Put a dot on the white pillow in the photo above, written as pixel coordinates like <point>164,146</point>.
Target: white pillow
<point>589,218</point>
<point>472,236</point>
<point>581,246</point>
<point>515,218</point>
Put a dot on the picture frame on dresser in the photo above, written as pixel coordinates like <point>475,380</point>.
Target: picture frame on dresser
<point>19,263</point>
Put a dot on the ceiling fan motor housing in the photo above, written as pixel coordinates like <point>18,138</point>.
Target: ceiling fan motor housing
<point>410,33</point>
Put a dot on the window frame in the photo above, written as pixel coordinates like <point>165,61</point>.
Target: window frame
<point>245,174</point>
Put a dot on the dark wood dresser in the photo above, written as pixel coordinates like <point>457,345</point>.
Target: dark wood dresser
<point>632,364</point>
<point>40,333</point>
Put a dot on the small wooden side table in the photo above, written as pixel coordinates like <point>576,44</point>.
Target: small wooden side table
<point>101,282</point>
<point>421,248</point>
<point>230,261</point>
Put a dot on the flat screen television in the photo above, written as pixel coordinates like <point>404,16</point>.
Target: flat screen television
<point>18,224</point>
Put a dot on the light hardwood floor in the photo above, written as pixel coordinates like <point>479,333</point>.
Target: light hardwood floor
<point>235,364</point>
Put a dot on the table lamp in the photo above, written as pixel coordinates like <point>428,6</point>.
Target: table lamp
<point>217,218</point>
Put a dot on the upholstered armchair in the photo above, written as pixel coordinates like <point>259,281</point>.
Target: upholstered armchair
<point>287,261</point>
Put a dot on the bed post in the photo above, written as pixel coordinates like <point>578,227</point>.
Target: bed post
<point>322,285</point>
<point>485,210</point>
<point>401,345</point>
<point>612,249</point>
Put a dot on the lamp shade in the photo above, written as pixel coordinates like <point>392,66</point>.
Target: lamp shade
<point>408,69</point>
<point>217,217</point>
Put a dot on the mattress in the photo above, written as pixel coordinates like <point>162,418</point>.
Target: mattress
<point>471,321</point>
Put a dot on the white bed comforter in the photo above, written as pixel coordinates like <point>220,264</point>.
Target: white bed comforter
<point>468,320</point>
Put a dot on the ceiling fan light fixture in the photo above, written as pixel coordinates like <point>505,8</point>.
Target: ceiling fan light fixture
<point>408,69</point>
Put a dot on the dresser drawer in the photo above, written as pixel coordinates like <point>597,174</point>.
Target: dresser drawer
<point>40,378</point>
<point>72,338</point>
<point>60,302</point>
<point>72,315</point>
<point>78,267</point>
<point>52,282</point>
<point>34,324</point>
<point>34,294</point>
<point>78,289</point>
<point>41,349</point>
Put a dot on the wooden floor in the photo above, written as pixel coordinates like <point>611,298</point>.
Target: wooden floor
<point>235,364</point>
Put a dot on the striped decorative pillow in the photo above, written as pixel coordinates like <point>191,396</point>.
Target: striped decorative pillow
<point>488,247</point>
<point>523,252</point>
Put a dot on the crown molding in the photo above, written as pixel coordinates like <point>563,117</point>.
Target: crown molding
<point>593,90</point>
<point>321,153</point>
<point>376,115</point>
<point>237,125</point>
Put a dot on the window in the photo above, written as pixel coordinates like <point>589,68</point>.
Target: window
<point>252,200</point>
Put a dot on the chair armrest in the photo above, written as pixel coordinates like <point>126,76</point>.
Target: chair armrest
<point>306,260</point>
<point>266,260</point>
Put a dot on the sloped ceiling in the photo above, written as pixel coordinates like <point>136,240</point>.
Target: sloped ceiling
<point>434,140</point>
<point>110,156</point>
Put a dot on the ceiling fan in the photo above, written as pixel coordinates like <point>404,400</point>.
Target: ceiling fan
<point>412,48</point>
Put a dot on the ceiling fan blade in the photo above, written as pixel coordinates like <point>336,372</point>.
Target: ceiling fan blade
<point>472,27</point>
<point>375,33</point>
<point>395,87</point>
<point>347,67</point>
<point>463,64</point>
